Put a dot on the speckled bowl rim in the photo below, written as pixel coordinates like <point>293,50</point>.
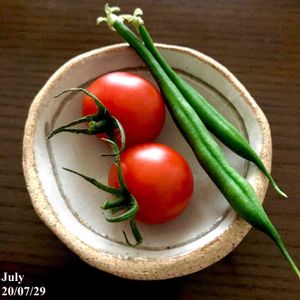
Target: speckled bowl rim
<point>145,269</point>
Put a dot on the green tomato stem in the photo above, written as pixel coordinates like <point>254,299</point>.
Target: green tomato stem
<point>127,215</point>
<point>96,183</point>
<point>113,204</point>
<point>137,235</point>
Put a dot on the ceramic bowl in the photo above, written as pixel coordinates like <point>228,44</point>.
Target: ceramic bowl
<point>207,230</point>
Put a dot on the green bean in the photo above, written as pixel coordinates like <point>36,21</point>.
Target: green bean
<point>238,192</point>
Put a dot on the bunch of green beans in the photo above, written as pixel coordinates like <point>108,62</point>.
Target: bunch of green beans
<point>211,118</point>
<point>234,187</point>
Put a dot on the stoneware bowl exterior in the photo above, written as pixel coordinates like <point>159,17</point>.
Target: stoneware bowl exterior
<point>206,231</point>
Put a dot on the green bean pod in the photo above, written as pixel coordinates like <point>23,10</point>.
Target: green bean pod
<point>213,120</point>
<point>238,192</point>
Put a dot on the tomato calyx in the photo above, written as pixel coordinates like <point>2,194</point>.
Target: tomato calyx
<point>101,122</point>
<point>125,205</point>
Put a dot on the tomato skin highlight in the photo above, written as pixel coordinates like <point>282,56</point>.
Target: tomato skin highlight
<point>159,178</point>
<point>134,101</point>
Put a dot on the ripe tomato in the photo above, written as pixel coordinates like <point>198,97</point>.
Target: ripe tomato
<point>134,101</point>
<point>159,178</point>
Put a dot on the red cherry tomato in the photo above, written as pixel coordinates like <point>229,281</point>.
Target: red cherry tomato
<point>159,178</point>
<point>134,101</point>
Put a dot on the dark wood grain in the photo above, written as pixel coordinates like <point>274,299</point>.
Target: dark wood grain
<point>259,41</point>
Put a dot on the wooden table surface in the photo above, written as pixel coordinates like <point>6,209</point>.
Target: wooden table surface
<point>259,41</point>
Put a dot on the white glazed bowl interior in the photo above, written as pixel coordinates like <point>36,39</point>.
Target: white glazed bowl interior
<point>206,231</point>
